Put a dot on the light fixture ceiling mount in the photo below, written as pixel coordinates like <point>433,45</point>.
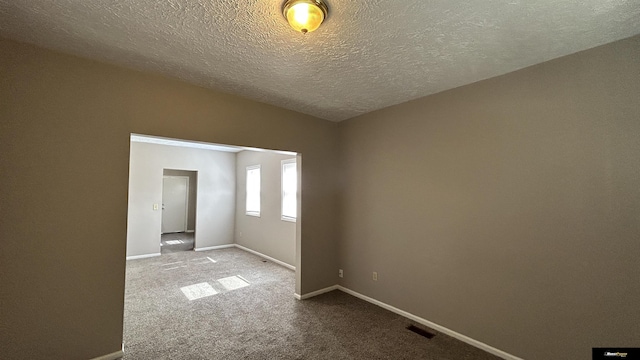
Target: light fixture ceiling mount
<point>305,15</point>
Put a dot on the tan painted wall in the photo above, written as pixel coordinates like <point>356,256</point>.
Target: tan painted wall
<point>267,234</point>
<point>64,143</point>
<point>193,186</point>
<point>507,210</point>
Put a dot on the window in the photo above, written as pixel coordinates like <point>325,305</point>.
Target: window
<point>253,190</point>
<point>289,190</point>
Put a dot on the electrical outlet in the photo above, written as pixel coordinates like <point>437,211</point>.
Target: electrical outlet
<point>340,273</point>
<point>375,276</point>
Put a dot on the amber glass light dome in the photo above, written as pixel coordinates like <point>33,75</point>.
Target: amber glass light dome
<point>305,15</point>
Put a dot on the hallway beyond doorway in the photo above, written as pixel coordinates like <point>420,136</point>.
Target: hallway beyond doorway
<point>176,242</point>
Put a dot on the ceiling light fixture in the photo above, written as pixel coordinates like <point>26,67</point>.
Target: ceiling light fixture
<point>305,15</point>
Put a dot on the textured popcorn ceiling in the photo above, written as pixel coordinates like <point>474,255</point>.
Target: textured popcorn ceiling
<point>369,54</point>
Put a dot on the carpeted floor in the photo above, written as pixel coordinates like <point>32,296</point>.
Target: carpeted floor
<point>244,308</point>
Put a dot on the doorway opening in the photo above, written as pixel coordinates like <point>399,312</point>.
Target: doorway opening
<point>217,178</point>
<point>179,194</point>
<point>181,190</point>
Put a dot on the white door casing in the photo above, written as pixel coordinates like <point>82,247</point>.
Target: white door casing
<point>175,192</point>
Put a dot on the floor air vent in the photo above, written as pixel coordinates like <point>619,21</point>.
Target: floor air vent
<point>421,332</point>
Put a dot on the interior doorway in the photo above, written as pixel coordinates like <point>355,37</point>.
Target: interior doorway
<point>179,193</point>
<point>175,192</point>
<point>218,171</point>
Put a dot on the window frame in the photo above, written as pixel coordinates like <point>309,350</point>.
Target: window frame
<point>284,163</point>
<point>246,200</point>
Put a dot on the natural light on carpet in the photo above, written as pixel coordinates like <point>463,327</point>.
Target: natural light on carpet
<point>198,291</point>
<point>233,282</point>
<point>174,242</point>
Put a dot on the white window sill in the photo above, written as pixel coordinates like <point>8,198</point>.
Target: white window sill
<point>256,214</point>
<point>289,219</point>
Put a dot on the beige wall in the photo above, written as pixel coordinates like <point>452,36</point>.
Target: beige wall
<point>216,198</point>
<point>267,234</point>
<point>507,210</point>
<point>65,124</point>
<point>193,187</point>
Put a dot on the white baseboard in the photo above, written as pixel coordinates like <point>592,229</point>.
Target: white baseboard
<point>266,257</point>
<point>215,247</point>
<point>135,257</point>
<point>434,326</point>
<point>113,356</point>
<point>315,293</point>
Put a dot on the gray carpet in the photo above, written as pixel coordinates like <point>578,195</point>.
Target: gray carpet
<point>253,315</point>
